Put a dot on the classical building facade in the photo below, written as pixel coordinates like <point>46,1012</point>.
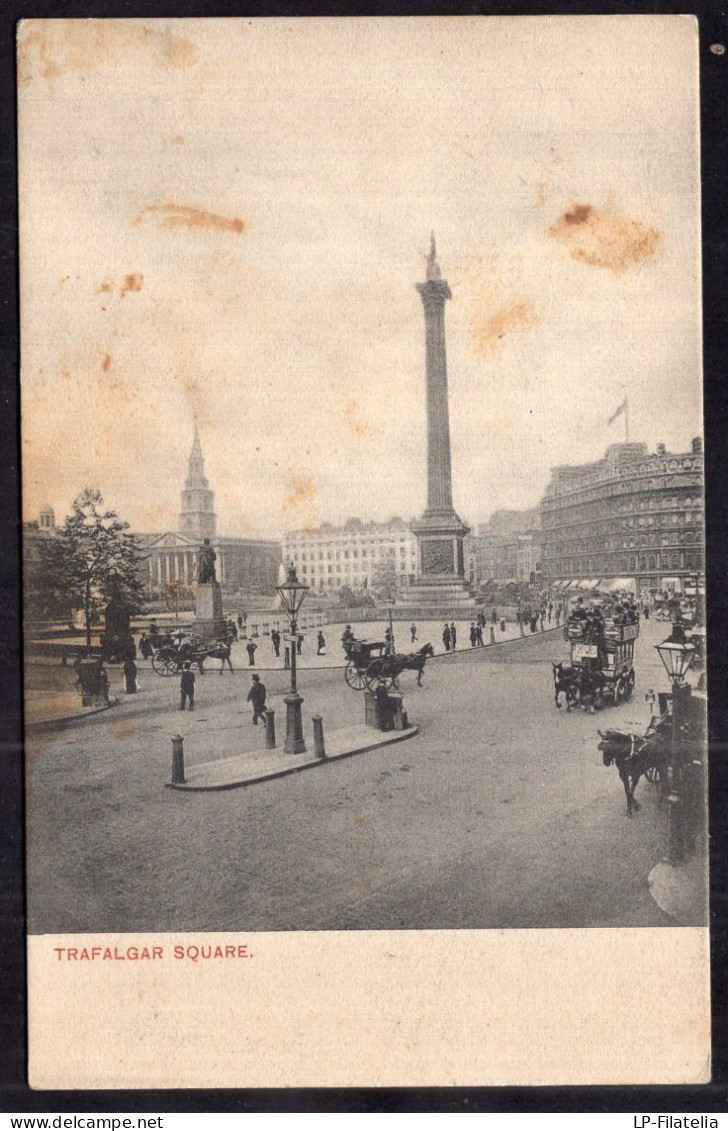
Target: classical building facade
<point>170,557</point>
<point>633,519</point>
<point>358,554</point>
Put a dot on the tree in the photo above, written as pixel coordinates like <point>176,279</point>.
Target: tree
<point>384,578</point>
<point>92,560</point>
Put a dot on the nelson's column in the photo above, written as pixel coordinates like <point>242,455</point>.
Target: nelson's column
<point>440,531</point>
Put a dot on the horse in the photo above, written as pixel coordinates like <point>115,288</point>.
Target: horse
<point>634,755</point>
<point>566,679</point>
<point>414,662</point>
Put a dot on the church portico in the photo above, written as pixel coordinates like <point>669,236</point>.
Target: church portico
<point>171,566</point>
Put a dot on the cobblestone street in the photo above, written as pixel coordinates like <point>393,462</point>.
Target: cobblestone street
<point>498,814</point>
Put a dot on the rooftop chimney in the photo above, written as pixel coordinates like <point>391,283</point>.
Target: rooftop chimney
<point>697,446</point>
<point>661,449</point>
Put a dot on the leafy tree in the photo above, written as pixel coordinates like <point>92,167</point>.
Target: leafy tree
<point>384,578</point>
<point>93,559</point>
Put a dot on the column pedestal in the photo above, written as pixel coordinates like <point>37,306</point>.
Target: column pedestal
<point>209,622</point>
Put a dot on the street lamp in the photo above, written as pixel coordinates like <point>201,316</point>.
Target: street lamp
<point>677,655</point>
<point>292,593</point>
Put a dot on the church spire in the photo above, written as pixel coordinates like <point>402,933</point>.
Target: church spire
<point>197,507</point>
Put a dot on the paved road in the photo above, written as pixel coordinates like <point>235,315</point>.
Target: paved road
<point>499,815</point>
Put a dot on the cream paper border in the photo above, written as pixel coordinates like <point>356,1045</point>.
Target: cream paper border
<point>374,1008</point>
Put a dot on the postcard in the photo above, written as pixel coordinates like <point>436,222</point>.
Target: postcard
<point>363,551</point>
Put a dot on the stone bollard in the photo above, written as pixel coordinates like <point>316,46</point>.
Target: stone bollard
<point>287,657</point>
<point>270,730</point>
<point>319,746</point>
<point>492,635</point>
<point>178,760</point>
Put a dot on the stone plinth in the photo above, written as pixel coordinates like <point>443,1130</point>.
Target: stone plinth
<point>209,622</point>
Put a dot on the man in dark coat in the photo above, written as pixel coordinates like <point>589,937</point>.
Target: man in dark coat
<point>446,637</point>
<point>321,643</point>
<point>453,635</point>
<point>130,674</point>
<point>187,687</point>
<point>275,639</point>
<point>256,696</point>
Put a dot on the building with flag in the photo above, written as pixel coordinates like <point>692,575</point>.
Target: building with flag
<point>633,519</point>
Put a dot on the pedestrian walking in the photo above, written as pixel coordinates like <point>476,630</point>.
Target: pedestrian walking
<point>275,639</point>
<point>240,621</point>
<point>479,636</point>
<point>473,635</point>
<point>130,674</point>
<point>145,646</point>
<point>223,647</point>
<point>503,624</point>
<point>256,696</point>
<point>646,611</point>
<point>389,642</point>
<point>320,643</point>
<point>187,687</point>
<point>446,637</point>
<point>231,629</point>
<point>494,616</point>
<point>453,636</point>
<point>251,649</point>
<point>413,632</point>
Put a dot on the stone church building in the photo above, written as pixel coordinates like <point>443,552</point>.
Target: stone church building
<point>247,564</point>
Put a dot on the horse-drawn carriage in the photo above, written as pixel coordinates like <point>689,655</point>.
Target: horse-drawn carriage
<point>370,664</point>
<point>175,649</point>
<point>602,658</point>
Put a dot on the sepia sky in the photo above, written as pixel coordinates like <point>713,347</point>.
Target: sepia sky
<point>224,221</point>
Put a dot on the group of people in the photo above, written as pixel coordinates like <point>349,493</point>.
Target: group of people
<point>450,636</point>
<point>256,694</point>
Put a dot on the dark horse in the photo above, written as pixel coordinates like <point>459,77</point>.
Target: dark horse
<point>566,679</point>
<point>414,662</point>
<point>635,755</point>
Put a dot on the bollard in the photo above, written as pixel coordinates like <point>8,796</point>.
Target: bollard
<point>178,760</point>
<point>270,729</point>
<point>287,657</point>
<point>492,635</point>
<point>318,736</point>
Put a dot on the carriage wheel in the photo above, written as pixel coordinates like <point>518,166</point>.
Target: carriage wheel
<point>376,676</point>
<point>355,677</point>
<point>653,774</point>
<point>165,662</point>
<point>618,692</point>
<point>629,687</point>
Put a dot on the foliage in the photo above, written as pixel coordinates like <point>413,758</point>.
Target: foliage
<point>354,599</point>
<point>384,578</point>
<point>92,560</point>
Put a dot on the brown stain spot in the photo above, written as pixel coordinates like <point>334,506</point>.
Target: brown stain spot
<point>178,139</point>
<point>354,418</point>
<point>604,238</point>
<point>301,492</point>
<point>491,326</point>
<point>106,363</point>
<point>133,282</point>
<point>62,281</point>
<point>103,289</point>
<point>184,216</point>
<point>53,48</point>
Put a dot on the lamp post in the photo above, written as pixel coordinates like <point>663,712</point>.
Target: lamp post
<point>292,593</point>
<point>676,655</point>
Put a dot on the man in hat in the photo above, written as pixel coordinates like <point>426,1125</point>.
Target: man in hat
<point>256,696</point>
<point>187,687</point>
<point>250,647</point>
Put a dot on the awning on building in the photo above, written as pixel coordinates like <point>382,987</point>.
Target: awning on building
<point>609,584</point>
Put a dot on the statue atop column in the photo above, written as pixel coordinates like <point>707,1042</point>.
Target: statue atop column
<point>206,558</point>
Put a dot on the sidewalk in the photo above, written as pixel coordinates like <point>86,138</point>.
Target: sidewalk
<point>262,765</point>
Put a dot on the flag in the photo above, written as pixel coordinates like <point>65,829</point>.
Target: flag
<point>618,411</point>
